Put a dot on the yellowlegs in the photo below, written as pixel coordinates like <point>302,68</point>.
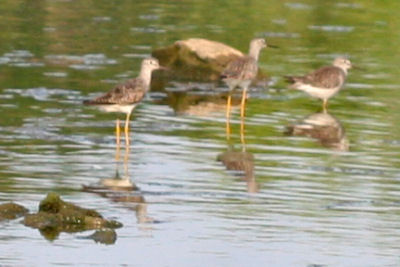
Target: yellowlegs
<point>324,82</point>
<point>124,97</point>
<point>242,71</point>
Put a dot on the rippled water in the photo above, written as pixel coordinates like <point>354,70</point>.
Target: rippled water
<point>296,187</point>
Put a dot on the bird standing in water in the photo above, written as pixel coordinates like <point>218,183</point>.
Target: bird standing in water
<point>324,82</point>
<point>242,71</point>
<point>124,97</point>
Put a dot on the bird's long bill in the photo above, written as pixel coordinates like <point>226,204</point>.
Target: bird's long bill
<point>272,46</point>
<point>357,67</point>
<point>163,68</point>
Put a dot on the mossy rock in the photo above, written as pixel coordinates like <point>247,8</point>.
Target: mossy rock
<point>10,211</point>
<point>56,215</point>
<point>42,220</point>
<point>54,204</point>
<point>196,58</point>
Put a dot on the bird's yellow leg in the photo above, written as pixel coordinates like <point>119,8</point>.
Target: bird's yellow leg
<point>126,160</point>
<point>126,155</point>
<point>117,134</point>
<point>117,152</point>
<point>228,112</point>
<point>117,131</point>
<point>228,106</point>
<point>242,140</point>
<point>325,105</point>
<point>243,103</point>
<point>127,128</point>
<point>228,130</point>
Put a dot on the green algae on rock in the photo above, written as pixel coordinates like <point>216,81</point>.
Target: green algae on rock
<point>56,215</point>
<point>54,204</point>
<point>10,211</point>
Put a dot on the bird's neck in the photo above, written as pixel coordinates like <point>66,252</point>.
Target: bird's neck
<point>344,69</point>
<point>145,76</point>
<point>254,52</point>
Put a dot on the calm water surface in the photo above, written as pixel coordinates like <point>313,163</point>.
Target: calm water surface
<point>275,195</point>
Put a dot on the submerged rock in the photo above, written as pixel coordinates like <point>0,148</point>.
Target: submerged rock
<point>56,215</point>
<point>10,211</point>
<point>196,58</point>
<point>103,236</point>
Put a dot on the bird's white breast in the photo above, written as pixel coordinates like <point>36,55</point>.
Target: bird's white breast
<point>232,83</point>
<point>322,93</point>
<point>118,108</point>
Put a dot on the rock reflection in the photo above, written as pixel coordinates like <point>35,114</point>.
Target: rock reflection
<point>121,189</point>
<point>103,236</point>
<point>240,160</point>
<point>56,215</point>
<point>324,127</point>
<point>197,99</point>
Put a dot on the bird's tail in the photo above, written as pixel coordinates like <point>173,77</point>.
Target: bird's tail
<point>289,131</point>
<point>89,102</point>
<point>291,79</point>
<point>223,76</point>
<point>298,129</point>
<point>295,81</point>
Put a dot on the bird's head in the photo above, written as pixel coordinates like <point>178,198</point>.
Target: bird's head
<point>258,43</point>
<point>343,63</point>
<point>151,64</point>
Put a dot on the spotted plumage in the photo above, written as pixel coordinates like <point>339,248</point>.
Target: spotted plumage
<point>124,97</point>
<point>327,77</point>
<point>130,92</point>
<point>324,82</point>
<point>242,71</point>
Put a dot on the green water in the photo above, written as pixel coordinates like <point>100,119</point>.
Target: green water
<point>298,201</point>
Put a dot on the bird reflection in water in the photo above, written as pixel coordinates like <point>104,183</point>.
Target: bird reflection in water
<point>324,127</point>
<point>201,99</point>
<point>240,160</point>
<point>121,189</point>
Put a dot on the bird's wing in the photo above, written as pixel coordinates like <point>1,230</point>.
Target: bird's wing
<point>325,77</point>
<point>244,68</point>
<point>130,92</point>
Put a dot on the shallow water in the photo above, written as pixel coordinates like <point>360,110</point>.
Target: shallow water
<point>281,199</point>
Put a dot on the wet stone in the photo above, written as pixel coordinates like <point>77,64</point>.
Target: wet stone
<point>56,215</point>
<point>198,59</point>
<point>54,204</point>
<point>10,211</point>
<point>104,236</point>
